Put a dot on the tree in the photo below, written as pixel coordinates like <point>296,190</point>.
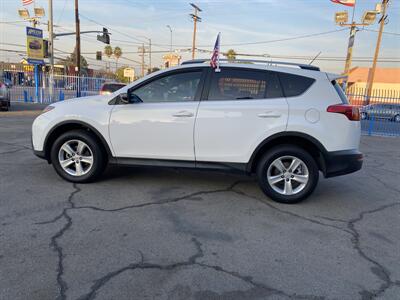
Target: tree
<point>108,51</point>
<point>117,54</point>
<point>71,61</point>
<point>119,75</point>
<point>154,69</point>
<point>231,54</point>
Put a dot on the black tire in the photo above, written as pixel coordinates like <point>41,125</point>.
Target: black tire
<point>396,118</point>
<point>281,151</point>
<point>99,157</point>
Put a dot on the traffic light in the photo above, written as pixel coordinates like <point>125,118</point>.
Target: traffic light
<point>98,55</point>
<point>105,37</point>
<point>45,48</point>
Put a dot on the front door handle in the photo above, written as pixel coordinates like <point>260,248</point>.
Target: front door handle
<point>269,114</point>
<point>183,114</point>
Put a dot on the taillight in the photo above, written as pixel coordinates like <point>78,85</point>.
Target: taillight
<point>351,112</point>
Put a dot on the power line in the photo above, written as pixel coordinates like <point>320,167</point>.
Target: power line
<point>384,32</point>
<point>111,29</point>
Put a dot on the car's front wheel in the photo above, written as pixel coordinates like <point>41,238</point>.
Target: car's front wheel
<point>287,174</point>
<point>77,156</point>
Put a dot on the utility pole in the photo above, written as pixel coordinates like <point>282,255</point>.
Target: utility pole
<point>196,19</point>
<point>78,39</point>
<point>349,56</point>
<point>150,55</point>
<point>51,50</point>
<point>371,74</point>
<point>142,50</point>
<point>341,20</point>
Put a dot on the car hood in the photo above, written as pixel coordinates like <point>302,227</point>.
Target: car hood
<point>82,100</point>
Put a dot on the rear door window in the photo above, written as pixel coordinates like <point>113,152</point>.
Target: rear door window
<point>295,85</point>
<point>241,84</point>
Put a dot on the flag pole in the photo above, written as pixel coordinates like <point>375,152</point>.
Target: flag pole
<point>219,51</point>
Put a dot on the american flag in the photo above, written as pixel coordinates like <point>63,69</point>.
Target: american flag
<point>214,62</point>
<point>345,2</point>
<point>27,2</point>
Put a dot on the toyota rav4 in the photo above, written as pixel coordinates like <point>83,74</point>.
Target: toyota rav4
<point>284,122</point>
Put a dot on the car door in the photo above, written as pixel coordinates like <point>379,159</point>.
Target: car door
<point>243,106</point>
<point>158,122</point>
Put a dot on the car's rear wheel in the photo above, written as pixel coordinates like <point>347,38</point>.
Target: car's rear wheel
<point>396,118</point>
<point>287,174</point>
<point>77,156</point>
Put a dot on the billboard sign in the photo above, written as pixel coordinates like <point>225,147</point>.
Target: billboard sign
<point>130,73</point>
<point>34,45</point>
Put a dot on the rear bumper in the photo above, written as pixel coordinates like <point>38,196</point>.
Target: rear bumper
<point>342,162</point>
<point>4,101</point>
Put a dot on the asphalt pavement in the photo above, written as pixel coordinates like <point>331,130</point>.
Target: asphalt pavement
<point>142,233</point>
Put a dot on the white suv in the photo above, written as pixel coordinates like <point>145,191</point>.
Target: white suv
<point>281,121</point>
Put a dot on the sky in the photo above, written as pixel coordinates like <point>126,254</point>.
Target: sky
<point>248,27</point>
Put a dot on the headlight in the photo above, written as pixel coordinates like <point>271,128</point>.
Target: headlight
<point>48,108</point>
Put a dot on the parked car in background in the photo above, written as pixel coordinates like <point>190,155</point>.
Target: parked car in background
<point>381,111</point>
<point>75,85</point>
<point>8,82</point>
<point>4,96</point>
<point>110,87</point>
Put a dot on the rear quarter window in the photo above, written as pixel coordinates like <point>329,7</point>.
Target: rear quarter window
<point>340,92</point>
<point>295,85</point>
<point>112,87</point>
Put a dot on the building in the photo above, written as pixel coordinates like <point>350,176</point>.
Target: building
<point>385,78</point>
<point>171,60</point>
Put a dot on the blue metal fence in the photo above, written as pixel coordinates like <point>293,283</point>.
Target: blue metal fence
<point>37,89</point>
<point>380,113</point>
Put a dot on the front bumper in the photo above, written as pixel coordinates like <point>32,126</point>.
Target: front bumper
<point>342,162</point>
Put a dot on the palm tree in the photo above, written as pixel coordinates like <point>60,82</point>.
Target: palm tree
<point>231,54</point>
<point>108,51</point>
<point>117,54</point>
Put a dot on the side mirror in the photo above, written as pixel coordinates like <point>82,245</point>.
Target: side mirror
<point>129,98</point>
<point>124,97</point>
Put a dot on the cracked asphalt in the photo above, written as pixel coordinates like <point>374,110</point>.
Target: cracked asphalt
<point>182,234</point>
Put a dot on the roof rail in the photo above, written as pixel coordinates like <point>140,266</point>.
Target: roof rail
<point>268,62</point>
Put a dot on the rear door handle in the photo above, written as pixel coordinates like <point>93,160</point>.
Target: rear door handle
<point>269,114</point>
<point>183,114</point>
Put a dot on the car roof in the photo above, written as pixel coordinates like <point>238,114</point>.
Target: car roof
<point>292,69</point>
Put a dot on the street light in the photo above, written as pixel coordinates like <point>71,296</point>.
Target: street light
<point>170,30</point>
<point>24,13</point>
<point>341,17</point>
<point>369,17</point>
<point>39,12</point>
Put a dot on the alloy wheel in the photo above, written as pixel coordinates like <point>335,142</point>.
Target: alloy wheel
<point>75,157</point>
<point>288,175</point>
